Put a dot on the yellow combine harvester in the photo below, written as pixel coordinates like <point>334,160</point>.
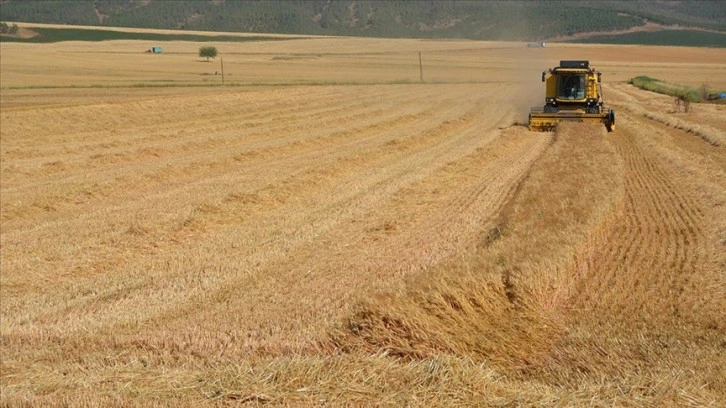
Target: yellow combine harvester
<point>574,94</point>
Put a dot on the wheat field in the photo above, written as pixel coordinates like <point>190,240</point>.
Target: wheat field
<point>342,223</point>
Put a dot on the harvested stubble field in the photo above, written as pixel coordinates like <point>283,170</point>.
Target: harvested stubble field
<point>328,230</point>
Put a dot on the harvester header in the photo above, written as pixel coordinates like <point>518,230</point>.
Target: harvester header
<point>573,92</point>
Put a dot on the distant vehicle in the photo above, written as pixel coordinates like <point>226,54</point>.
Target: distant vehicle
<point>154,50</point>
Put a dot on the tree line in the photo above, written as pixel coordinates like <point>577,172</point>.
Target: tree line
<point>488,20</point>
<point>8,29</point>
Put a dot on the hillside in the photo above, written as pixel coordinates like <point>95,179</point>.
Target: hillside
<point>487,20</point>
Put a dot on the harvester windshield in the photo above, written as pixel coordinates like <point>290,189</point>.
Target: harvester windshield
<point>571,86</point>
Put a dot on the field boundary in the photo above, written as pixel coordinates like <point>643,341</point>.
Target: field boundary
<point>52,35</point>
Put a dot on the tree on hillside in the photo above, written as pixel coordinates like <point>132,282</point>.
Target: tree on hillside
<point>6,29</point>
<point>208,52</point>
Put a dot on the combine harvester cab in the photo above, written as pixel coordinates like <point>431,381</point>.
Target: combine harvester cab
<point>573,92</point>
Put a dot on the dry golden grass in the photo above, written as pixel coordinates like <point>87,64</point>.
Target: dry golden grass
<point>327,230</point>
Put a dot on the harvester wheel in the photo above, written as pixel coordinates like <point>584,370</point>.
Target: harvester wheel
<point>611,121</point>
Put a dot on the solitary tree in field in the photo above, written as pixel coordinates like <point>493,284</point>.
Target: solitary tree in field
<point>209,52</point>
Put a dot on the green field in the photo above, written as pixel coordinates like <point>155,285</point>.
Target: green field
<point>682,92</point>
<point>51,35</point>
<point>686,38</point>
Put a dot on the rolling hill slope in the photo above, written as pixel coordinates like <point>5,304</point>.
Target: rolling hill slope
<point>489,20</point>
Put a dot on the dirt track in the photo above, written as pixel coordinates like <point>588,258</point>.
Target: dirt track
<point>152,239</point>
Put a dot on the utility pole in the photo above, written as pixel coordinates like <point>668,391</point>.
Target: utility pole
<point>420,66</point>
